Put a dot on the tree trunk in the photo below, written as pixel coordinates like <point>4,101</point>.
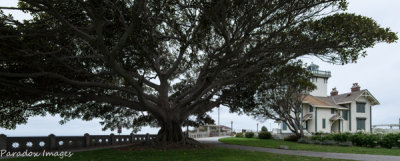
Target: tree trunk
<point>171,132</point>
<point>301,131</point>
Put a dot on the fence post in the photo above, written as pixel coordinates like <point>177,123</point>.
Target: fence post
<point>87,140</point>
<point>132,138</point>
<point>112,139</point>
<point>52,142</point>
<point>3,142</point>
<point>147,137</point>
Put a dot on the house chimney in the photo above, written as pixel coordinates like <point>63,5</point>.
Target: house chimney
<point>334,92</point>
<point>355,87</point>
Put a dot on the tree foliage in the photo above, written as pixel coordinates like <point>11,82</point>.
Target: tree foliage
<point>283,99</point>
<point>136,63</point>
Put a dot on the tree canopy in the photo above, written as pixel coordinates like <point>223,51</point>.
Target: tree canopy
<point>135,63</point>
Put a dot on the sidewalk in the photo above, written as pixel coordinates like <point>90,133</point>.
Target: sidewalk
<point>214,141</point>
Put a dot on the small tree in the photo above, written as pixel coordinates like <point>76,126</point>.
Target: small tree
<point>283,101</point>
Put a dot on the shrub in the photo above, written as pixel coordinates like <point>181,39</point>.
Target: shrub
<point>316,137</point>
<point>398,140</point>
<point>239,135</point>
<point>265,135</point>
<point>357,139</point>
<point>292,138</point>
<point>249,134</point>
<point>372,140</point>
<point>319,133</point>
<point>369,140</point>
<point>341,137</point>
<point>389,140</point>
<point>263,128</point>
<point>327,137</point>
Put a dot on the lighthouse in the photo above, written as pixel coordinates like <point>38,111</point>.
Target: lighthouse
<point>320,80</point>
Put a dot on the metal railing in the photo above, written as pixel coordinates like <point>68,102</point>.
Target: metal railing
<point>52,142</point>
<point>321,73</point>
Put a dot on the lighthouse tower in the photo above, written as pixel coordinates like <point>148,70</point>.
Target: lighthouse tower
<point>320,79</point>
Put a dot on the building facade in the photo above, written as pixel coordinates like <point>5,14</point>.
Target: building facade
<point>210,130</point>
<point>346,112</point>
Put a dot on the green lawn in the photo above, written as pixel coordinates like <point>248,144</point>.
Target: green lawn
<point>207,154</point>
<point>309,147</point>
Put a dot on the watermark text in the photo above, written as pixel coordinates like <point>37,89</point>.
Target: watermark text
<point>26,153</point>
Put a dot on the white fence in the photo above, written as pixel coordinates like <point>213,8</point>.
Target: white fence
<point>207,134</point>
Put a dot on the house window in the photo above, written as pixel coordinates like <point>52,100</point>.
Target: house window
<point>311,108</point>
<point>360,107</point>
<point>323,123</point>
<point>345,114</point>
<point>325,80</point>
<point>332,110</point>
<point>361,123</point>
<point>284,126</point>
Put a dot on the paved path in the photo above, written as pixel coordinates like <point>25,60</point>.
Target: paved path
<point>214,141</point>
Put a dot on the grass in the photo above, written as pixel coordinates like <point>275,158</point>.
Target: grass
<point>172,155</point>
<point>270,143</point>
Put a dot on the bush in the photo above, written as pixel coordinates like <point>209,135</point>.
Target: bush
<point>341,137</point>
<point>319,133</point>
<point>292,138</point>
<point>358,139</point>
<point>249,134</point>
<point>390,140</point>
<point>265,135</point>
<point>316,137</point>
<point>239,135</point>
<point>398,140</point>
<point>369,140</point>
<point>327,137</point>
<point>372,140</point>
<point>263,128</point>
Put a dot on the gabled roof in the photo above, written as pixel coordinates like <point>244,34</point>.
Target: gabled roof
<point>336,101</point>
<point>349,97</point>
<point>321,102</point>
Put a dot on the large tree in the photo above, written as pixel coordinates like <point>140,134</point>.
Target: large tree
<point>159,62</point>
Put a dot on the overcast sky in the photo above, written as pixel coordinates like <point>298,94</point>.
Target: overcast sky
<point>379,72</point>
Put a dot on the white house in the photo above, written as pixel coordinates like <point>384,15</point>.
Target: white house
<point>346,112</point>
